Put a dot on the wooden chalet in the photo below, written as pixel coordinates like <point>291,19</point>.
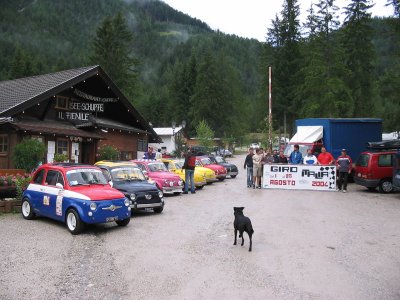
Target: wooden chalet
<point>73,112</point>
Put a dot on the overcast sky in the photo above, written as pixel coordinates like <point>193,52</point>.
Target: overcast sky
<point>250,18</point>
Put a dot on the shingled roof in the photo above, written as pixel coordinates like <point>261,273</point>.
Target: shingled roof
<point>18,91</point>
<point>20,94</point>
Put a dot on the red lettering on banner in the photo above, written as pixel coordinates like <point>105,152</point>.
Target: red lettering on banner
<point>319,183</point>
<point>282,182</point>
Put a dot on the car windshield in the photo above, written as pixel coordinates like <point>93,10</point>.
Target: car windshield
<point>127,174</point>
<point>219,160</point>
<point>206,161</point>
<point>157,167</point>
<point>85,177</point>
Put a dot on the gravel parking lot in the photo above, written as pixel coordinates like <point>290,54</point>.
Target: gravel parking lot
<point>306,245</point>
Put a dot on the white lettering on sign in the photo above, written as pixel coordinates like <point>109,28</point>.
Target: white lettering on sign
<point>301,177</point>
<point>93,98</point>
<point>86,106</point>
<point>81,116</point>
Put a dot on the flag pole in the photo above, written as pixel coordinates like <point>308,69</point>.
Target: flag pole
<point>270,108</point>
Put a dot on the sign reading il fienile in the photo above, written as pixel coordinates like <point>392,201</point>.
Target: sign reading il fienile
<point>300,177</point>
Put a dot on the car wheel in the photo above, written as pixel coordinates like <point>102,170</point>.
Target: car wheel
<point>199,187</point>
<point>221,179</point>
<point>233,176</point>
<point>386,186</point>
<point>371,189</point>
<point>158,210</point>
<point>74,223</point>
<point>27,210</point>
<point>123,222</point>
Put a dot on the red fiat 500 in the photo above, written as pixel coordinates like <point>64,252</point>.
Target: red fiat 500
<point>204,161</point>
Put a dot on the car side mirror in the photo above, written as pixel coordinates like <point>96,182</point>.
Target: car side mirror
<point>59,186</point>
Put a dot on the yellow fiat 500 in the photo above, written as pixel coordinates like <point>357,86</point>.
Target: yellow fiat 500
<point>200,174</point>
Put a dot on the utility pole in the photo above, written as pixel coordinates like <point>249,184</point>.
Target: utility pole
<point>270,108</point>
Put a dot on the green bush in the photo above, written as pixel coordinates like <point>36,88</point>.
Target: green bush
<point>60,158</point>
<point>28,154</point>
<point>108,152</point>
<point>21,183</point>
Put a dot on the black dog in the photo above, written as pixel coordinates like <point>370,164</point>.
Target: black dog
<point>242,223</point>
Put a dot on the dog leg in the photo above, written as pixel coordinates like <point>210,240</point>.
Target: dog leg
<point>242,238</point>
<point>251,242</point>
<point>235,237</point>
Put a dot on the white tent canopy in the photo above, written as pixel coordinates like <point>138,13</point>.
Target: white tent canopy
<point>307,134</point>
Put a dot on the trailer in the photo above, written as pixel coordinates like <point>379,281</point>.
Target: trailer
<point>353,134</point>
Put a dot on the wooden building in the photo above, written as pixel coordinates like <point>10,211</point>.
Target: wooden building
<point>73,112</point>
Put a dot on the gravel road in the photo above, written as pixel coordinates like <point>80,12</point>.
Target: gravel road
<point>306,245</point>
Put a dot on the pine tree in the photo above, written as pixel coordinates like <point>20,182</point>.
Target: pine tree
<point>359,56</point>
<point>111,50</point>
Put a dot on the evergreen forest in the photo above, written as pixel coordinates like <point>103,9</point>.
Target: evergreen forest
<point>176,68</point>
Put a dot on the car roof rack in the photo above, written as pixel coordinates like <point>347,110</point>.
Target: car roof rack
<point>384,145</point>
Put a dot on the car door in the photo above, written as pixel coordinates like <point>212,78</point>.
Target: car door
<point>36,189</point>
<point>50,206</point>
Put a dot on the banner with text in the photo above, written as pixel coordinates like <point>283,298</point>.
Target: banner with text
<point>300,177</point>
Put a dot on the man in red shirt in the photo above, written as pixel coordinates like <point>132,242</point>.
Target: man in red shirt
<point>325,158</point>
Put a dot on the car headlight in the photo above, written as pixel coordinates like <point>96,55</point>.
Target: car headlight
<point>93,206</point>
<point>180,182</point>
<point>132,196</point>
<point>160,194</point>
<point>127,202</point>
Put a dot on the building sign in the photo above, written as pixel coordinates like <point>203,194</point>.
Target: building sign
<point>93,98</point>
<point>300,177</point>
<point>82,106</point>
<point>80,116</point>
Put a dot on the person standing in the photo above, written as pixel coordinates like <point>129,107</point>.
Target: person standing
<point>275,157</point>
<point>257,169</point>
<point>282,158</point>
<point>189,166</point>
<point>248,163</point>
<point>295,157</point>
<point>325,158</point>
<point>149,154</point>
<point>344,165</point>
<point>310,158</point>
<point>158,154</point>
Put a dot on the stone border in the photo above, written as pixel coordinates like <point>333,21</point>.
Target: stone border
<point>10,205</point>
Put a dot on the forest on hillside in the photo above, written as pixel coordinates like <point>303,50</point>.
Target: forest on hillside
<point>175,68</point>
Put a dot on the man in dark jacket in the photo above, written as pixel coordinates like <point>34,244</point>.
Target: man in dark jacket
<point>276,157</point>
<point>344,166</point>
<point>248,163</point>
<point>189,166</point>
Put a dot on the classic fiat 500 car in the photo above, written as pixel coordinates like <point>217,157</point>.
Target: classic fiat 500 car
<point>128,178</point>
<point>167,182</point>
<point>204,161</point>
<point>231,169</point>
<point>74,194</point>
<point>175,166</point>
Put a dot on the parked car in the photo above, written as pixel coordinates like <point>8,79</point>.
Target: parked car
<point>217,151</point>
<point>255,146</point>
<point>129,179</point>
<point>167,182</point>
<point>231,169</point>
<point>374,169</point>
<point>74,194</point>
<point>396,172</point>
<point>204,161</point>
<point>175,166</point>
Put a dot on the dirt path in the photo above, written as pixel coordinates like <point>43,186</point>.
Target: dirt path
<point>307,245</point>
